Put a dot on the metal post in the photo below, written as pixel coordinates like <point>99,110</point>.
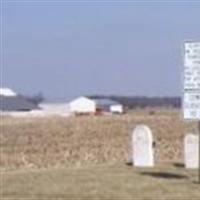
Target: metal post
<point>199,149</point>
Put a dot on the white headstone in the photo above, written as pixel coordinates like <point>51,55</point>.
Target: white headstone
<point>191,144</point>
<point>142,147</point>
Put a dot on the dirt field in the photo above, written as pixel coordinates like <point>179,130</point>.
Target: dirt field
<point>85,140</point>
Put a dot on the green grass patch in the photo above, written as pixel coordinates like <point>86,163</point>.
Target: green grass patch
<point>102,182</point>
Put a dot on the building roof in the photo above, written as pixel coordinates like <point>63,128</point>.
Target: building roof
<point>82,98</point>
<point>7,92</point>
<point>15,103</point>
<point>105,102</point>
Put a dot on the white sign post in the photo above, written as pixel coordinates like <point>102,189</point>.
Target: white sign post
<point>191,96</point>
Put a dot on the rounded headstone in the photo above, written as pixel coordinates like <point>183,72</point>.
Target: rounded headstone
<point>142,143</point>
<point>191,151</point>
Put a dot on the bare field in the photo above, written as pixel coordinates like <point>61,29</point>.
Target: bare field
<point>86,140</point>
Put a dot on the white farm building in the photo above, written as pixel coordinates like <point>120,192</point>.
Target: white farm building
<point>85,105</point>
<point>82,105</point>
<point>55,109</point>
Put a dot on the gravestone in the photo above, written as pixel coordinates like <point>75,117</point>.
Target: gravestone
<point>191,146</point>
<point>142,144</point>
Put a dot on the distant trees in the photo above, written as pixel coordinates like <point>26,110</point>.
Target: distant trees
<point>142,102</point>
<point>130,102</point>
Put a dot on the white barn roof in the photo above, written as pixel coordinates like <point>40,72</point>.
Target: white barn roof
<point>7,92</point>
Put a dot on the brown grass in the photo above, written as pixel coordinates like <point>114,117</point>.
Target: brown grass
<point>84,158</point>
<point>77,141</point>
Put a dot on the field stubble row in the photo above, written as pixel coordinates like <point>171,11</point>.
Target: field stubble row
<point>77,141</point>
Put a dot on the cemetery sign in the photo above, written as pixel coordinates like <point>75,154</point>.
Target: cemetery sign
<point>191,96</point>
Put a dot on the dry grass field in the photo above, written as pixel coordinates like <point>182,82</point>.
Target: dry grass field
<point>77,141</point>
<point>57,155</point>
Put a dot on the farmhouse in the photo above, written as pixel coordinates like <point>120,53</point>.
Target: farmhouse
<point>85,105</point>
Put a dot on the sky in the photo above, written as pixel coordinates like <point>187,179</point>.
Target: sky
<point>66,49</point>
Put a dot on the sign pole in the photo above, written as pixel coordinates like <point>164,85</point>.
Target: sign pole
<point>199,148</point>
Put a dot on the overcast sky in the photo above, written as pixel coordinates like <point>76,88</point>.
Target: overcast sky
<point>66,49</point>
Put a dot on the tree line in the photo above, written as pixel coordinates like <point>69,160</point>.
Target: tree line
<point>132,102</point>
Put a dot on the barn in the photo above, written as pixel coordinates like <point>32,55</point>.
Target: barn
<point>82,105</point>
<point>85,105</point>
<point>11,102</point>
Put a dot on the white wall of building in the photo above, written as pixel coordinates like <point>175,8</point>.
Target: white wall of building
<point>32,113</point>
<point>61,109</point>
<point>47,110</point>
<point>116,108</point>
<point>82,105</point>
